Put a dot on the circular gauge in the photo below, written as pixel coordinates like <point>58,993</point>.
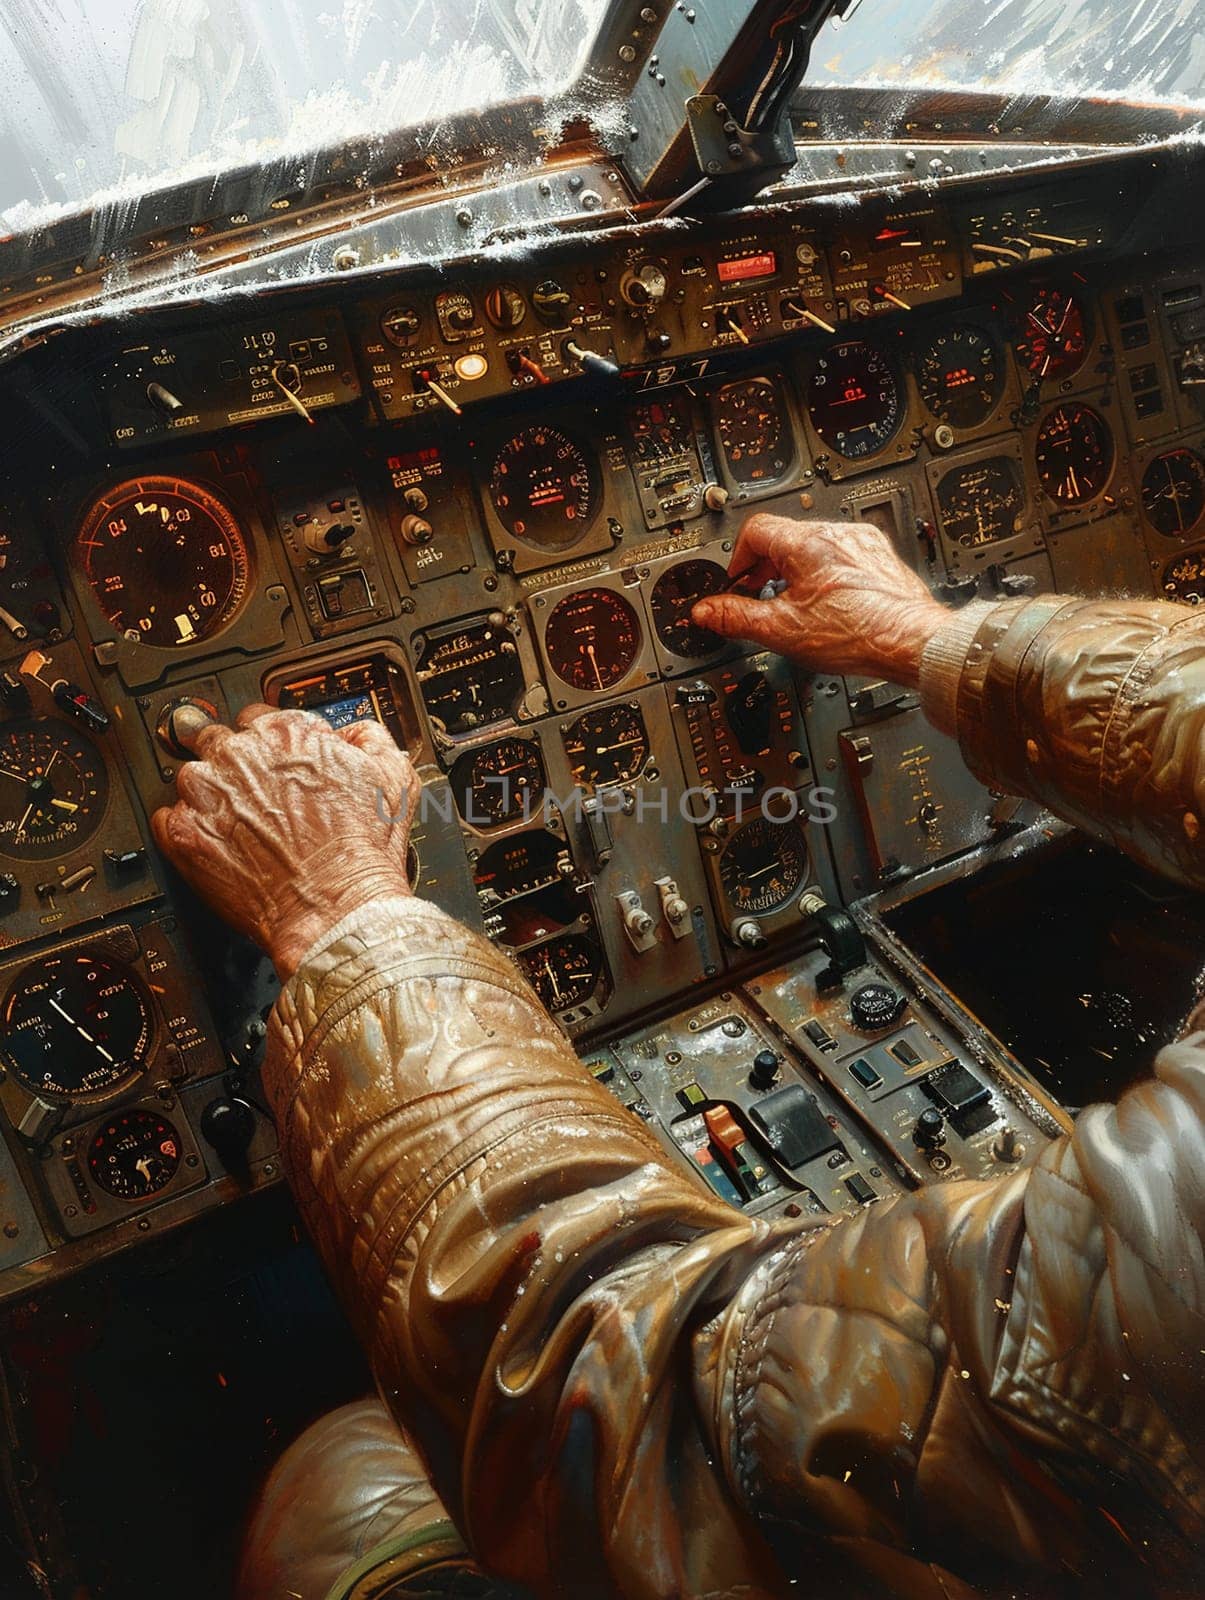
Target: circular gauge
<point>660,429</point>
<point>1184,578</point>
<point>592,639</point>
<point>400,325</point>
<point>505,306</point>
<point>564,972</point>
<point>960,376</point>
<point>1074,454</point>
<point>518,865</point>
<point>134,1154</point>
<point>753,430</point>
<point>54,789</point>
<point>76,1025</point>
<point>983,502</point>
<point>470,677</point>
<point>165,560</point>
<point>609,745</point>
<point>499,783</point>
<point>854,400</point>
<point>674,593</point>
<point>1054,335</point>
<point>545,488</point>
<point>1173,493</point>
<point>763,865</point>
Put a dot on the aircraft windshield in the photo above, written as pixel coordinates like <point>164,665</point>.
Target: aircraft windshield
<point>104,95</point>
<point>1140,49</point>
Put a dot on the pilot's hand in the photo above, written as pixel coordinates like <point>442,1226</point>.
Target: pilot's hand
<point>284,826</point>
<point>849,604</point>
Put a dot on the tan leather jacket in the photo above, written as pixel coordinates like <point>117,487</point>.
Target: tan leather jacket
<point>622,1387</point>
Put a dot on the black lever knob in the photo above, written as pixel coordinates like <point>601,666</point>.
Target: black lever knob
<point>80,706</point>
<point>930,1130</point>
<point>229,1126</point>
<point>764,1070</point>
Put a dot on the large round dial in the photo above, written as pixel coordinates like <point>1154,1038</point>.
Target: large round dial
<point>500,783</point>
<point>982,502</point>
<point>470,677</point>
<point>854,400</point>
<point>1173,493</point>
<point>607,745</point>
<point>592,639</point>
<point>754,430</point>
<point>54,789</point>
<point>960,376</point>
<point>134,1154</point>
<point>674,593</point>
<point>1074,454</point>
<point>76,1025</point>
<point>1054,336</point>
<point>563,972</point>
<point>165,560</point>
<point>1184,578</point>
<point>545,488</point>
<point>764,863</point>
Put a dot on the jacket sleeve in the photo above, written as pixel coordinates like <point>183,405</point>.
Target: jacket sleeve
<point>1094,708</point>
<point>623,1387</point>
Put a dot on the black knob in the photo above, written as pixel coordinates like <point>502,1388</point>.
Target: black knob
<point>80,706</point>
<point>658,339</point>
<point>48,617</point>
<point>875,1006</point>
<point>749,709</point>
<point>930,1130</point>
<point>764,1070</point>
<point>229,1126</point>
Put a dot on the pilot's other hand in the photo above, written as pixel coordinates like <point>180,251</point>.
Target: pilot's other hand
<point>284,825</point>
<point>849,604</point>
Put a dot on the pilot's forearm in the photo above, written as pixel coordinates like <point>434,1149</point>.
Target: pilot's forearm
<point>523,1263</point>
<point>1094,708</point>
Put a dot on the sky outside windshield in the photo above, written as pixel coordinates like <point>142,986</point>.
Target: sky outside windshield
<point>104,94</point>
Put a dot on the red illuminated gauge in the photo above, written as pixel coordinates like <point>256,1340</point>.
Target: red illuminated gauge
<point>960,376</point>
<point>1054,335</point>
<point>854,400</point>
<point>134,1154</point>
<point>608,745</point>
<point>1184,578</point>
<point>660,429</point>
<point>165,560</point>
<point>563,972</point>
<point>592,639</point>
<point>763,865</point>
<point>674,593</point>
<point>545,488</point>
<point>500,783</point>
<point>1073,454</point>
<point>76,1026</point>
<point>1173,493</point>
<point>754,430</point>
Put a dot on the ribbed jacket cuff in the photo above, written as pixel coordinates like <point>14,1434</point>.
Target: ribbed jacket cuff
<point>942,663</point>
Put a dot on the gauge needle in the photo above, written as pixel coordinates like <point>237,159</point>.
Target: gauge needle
<point>83,1032</point>
<point>65,805</point>
<point>143,1165</point>
<point>556,988</point>
<point>594,664</point>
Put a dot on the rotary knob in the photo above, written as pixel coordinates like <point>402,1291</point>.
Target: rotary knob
<point>179,723</point>
<point>930,1130</point>
<point>645,285</point>
<point>764,1069</point>
<point>875,1006</point>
